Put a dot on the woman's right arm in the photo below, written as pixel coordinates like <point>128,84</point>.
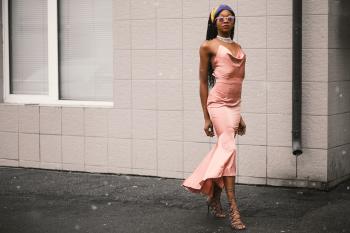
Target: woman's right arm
<point>204,54</point>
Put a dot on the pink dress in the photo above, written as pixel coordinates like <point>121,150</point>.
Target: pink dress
<point>223,105</point>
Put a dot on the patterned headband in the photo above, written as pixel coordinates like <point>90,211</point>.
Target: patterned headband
<point>217,10</point>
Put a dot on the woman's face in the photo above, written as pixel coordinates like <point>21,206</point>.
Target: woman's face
<point>225,21</point>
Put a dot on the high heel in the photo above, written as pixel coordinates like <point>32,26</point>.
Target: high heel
<point>214,204</point>
<point>215,208</point>
<point>235,218</point>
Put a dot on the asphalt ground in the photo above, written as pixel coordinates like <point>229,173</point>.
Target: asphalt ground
<point>36,201</point>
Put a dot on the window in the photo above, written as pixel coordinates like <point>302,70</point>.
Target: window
<point>58,51</point>
<point>28,47</point>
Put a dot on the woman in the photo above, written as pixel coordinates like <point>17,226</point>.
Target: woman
<point>222,68</point>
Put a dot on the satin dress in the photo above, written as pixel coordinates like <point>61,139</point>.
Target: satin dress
<point>224,105</point>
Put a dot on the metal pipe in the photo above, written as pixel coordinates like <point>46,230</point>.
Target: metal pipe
<point>297,77</point>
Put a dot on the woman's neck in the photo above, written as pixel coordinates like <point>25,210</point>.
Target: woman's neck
<point>224,34</point>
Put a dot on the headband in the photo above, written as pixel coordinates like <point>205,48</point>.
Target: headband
<point>217,10</point>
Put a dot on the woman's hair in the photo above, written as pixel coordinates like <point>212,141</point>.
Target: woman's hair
<point>212,32</point>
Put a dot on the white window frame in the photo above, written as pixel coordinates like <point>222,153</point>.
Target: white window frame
<point>53,82</point>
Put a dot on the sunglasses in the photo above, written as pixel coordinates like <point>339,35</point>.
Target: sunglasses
<point>222,19</point>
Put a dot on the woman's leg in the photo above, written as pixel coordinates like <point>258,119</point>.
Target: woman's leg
<point>236,221</point>
<point>214,202</point>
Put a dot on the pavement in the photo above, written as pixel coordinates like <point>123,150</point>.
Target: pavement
<point>48,201</point>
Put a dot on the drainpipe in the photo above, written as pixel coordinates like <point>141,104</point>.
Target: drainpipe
<point>296,73</point>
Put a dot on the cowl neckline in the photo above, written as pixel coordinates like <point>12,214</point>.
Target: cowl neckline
<point>228,52</point>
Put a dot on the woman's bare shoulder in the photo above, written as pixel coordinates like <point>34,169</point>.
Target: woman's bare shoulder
<point>207,46</point>
<point>237,44</point>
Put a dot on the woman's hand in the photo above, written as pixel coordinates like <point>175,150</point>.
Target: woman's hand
<point>241,127</point>
<point>208,128</point>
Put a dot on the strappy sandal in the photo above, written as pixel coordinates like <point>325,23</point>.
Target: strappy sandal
<point>215,208</point>
<point>214,204</point>
<point>235,217</point>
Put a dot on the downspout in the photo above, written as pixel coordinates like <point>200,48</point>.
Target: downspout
<point>297,77</point>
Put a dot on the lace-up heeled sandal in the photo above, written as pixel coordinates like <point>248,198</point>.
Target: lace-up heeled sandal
<point>235,217</point>
<point>214,204</point>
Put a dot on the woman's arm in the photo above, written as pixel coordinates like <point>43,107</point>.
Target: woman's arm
<point>203,77</point>
<point>204,53</point>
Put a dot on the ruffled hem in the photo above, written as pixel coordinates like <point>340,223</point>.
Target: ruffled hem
<point>219,162</point>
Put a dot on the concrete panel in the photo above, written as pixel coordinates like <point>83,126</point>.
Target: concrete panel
<point>312,165</point>
<point>170,125</point>
<point>144,94</point>
<point>256,129</point>
<point>193,127</point>
<point>169,34</point>
<point>9,118</point>
<point>170,156</point>
<point>122,64</point>
<point>143,9</point>
<point>122,34</point>
<point>279,65</point>
<point>281,163</point>
<point>191,9</point>
<point>338,162</point>
<point>169,64</point>
<point>279,128</point>
<point>144,64</point>
<point>315,65</point>
<point>314,131</point>
<point>279,32</point>
<point>194,152</point>
<point>252,7</point>
<point>253,97</point>
<point>121,9</point>
<point>73,121</point>
<point>120,123</point>
<point>50,150</point>
<point>28,119</point>
<point>279,7</point>
<point>255,64</point>
<point>96,151</point>
<point>119,153</point>
<point>194,31</point>
<point>73,149</point>
<point>279,97</point>
<point>252,31</point>
<point>28,147</point>
<point>144,154</point>
<point>190,64</point>
<point>191,96</point>
<point>169,9</point>
<point>169,95</point>
<point>8,145</point>
<point>315,31</point>
<point>96,122</point>
<point>122,94</point>
<point>50,120</point>
<point>252,161</point>
<point>144,124</point>
<point>143,34</point>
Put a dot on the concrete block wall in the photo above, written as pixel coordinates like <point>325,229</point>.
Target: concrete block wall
<point>1,66</point>
<point>339,92</point>
<point>155,126</point>
<point>265,32</point>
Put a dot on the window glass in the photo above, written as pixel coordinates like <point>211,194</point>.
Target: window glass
<point>28,47</point>
<point>85,49</point>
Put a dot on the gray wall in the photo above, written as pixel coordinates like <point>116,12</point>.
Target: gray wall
<point>1,58</point>
<point>339,90</point>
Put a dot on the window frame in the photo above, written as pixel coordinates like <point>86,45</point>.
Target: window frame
<point>53,69</point>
